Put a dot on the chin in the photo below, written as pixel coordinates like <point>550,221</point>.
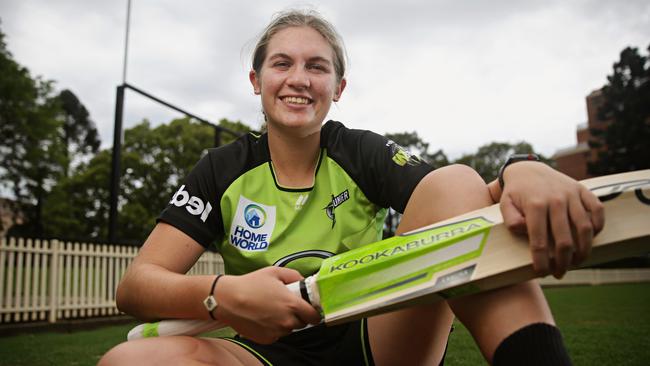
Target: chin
<point>298,125</point>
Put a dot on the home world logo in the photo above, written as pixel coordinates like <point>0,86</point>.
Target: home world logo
<point>254,216</point>
<point>252,225</point>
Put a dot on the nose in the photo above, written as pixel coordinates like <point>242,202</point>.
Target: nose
<point>298,78</point>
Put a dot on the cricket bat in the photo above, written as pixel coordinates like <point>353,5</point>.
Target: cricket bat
<point>462,255</point>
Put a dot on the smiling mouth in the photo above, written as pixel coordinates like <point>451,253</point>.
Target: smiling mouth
<point>296,100</point>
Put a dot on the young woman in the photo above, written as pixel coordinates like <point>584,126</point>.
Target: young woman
<point>279,203</point>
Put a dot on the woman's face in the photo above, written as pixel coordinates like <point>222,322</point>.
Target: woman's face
<point>297,80</point>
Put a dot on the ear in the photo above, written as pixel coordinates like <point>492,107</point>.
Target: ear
<point>339,90</point>
<point>252,76</point>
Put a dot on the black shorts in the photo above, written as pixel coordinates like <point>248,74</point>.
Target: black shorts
<point>340,345</point>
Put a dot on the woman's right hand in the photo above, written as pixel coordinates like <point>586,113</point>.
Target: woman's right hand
<point>259,306</point>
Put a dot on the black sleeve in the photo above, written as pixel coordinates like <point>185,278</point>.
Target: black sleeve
<point>386,172</point>
<point>194,208</point>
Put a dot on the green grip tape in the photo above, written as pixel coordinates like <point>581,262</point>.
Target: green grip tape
<point>150,330</point>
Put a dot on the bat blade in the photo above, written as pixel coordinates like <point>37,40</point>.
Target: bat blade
<point>488,256</point>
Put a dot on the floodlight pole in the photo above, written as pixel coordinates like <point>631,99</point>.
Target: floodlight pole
<point>117,138</point>
<point>126,40</point>
<point>115,165</point>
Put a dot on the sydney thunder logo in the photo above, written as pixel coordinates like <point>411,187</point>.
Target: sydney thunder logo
<point>401,156</point>
<point>336,202</point>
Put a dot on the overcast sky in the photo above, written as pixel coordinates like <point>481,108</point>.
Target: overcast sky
<point>461,73</point>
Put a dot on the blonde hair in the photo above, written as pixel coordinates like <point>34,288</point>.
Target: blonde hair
<point>300,18</point>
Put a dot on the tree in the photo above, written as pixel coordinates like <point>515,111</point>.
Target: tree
<point>80,135</point>
<point>490,157</point>
<point>78,206</point>
<point>154,162</point>
<point>32,155</point>
<point>624,144</point>
<point>235,126</point>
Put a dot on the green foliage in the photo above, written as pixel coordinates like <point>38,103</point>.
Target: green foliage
<point>77,207</point>
<point>235,126</point>
<point>490,157</point>
<point>154,162</point>
<point>627,107</point>
<point>32,154</point>
<point>80,135</point>
<point>42,133</point>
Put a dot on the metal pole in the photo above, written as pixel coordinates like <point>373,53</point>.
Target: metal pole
<point>117,138</point>
<point>126,40</point>
<point>217,136</point>
<point>115,166</point>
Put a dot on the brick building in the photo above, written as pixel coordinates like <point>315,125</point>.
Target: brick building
<point>573,161</point>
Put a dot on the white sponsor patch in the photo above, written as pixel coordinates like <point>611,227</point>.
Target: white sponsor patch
<point>252,225</point>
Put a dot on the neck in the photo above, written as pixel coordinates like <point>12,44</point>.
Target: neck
<point>294,157</point>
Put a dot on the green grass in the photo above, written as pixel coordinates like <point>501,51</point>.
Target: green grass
<point>602,325</point>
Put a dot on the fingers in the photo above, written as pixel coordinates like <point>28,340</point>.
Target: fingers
<point>307,313</point>
<point>561,221</point>
<point>512,217</point>
<point>286,275</point>
<point>583,229</point>
<point>572,229</point>
<point>537,225</point>
<point>595,208</point>
<point>562,236</point>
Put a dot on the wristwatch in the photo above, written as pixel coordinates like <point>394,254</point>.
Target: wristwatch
<point>514,159</point>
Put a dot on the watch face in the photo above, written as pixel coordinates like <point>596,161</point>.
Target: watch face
<point>210,303</point>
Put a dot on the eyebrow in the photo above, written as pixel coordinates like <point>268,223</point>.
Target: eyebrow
<point>311,59</point>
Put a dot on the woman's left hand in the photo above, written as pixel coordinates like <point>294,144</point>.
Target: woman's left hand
<point>560,215</point>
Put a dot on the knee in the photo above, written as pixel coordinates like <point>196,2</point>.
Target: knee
<point>459,183</point>
<point>152,351</point>
<point>123,354</point>
<point>461,175</point>
<point>444,193</point>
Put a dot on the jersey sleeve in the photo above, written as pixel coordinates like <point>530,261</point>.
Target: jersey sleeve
<point>386,172</point>
<point>194,208</point>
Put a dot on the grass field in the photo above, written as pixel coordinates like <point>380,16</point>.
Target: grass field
<point>602,325</point>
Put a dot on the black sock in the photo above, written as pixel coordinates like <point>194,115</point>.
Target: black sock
<point>537,344</point>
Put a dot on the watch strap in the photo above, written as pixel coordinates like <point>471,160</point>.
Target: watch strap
<point>514,159</point>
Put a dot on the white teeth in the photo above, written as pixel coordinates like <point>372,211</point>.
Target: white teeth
<point>296,100</point>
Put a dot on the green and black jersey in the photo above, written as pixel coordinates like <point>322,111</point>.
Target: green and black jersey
<point>232,198</point>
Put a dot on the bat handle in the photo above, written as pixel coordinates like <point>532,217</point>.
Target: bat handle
<point>307,290</point>
<point>173,327</point>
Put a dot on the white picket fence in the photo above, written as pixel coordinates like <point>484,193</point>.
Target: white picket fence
<point>50,279</point>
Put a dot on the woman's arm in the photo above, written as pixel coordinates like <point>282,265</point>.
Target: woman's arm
<point>155,285</point>
<point>257,305</point>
